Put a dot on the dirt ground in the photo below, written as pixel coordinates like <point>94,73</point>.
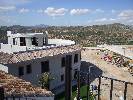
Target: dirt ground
<point>112,71</point>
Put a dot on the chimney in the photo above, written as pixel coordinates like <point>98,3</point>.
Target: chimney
<point>9,33</point>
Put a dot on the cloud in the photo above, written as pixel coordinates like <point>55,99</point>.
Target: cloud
<point>24,10</point>
<point>101,20</point>
<point>112,19</point>
<point>99,10</point>
<point>40,11</point>
<point>13,2</point>
<point>106,20</point>
<point>55,12</point>
<point>113,11</point>
<point>7,8</point>
<point>79,11</point>
<point>6,20</point>
<point>126,14</point>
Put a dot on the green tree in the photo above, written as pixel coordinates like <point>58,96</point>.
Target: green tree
<point>44,80</point>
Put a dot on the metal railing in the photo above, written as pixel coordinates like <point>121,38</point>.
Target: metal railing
<point>100,82</point>
<point>112,80</point>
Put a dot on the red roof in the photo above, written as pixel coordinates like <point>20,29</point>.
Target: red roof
<point>18,87</point>
<point>6,58</point>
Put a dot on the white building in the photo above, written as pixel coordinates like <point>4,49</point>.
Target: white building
<point>29,55</point>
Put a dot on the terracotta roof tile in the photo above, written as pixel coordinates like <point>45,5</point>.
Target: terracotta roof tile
<point>29,55</point>
<point>18,87</point>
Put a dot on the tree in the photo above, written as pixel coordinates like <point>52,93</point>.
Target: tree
<point>45,79</point>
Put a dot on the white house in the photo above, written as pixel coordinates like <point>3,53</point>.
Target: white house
<point>29,55</point>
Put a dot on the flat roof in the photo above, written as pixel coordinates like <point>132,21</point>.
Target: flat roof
<point>26,34</point>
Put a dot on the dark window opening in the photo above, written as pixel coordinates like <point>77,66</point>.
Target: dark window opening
<point>62,77</point>
<point>45,41</point>
<point>13,41</point>
<point>76,58</point>
<point>28,69</point>
<point>75,74</point>
<point>34,41</point>
<point>21,71</point>
<point>63,61</point>
<point>22,41</point>
<point>45,66</point>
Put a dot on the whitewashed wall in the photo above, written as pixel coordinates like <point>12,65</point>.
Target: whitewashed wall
<point>55,69</point>
<point>4,68</point>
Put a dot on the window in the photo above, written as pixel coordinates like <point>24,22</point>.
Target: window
<point>21,71</point>
<point>76,58</point>
<point>75,73</point>
<point>34,41</point>
<point>13,41</point>
<point>22,41</point>
<point>28,69</point>
<point>62,77</point>
<point>45,41</point>
<point>63,61</point>
<point>45,66</point>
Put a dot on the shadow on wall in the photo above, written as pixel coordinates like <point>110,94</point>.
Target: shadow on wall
<point>95,72</point>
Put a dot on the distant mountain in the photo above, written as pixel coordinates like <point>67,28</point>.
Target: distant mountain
<point>116,33</point>
<point>41,26</point>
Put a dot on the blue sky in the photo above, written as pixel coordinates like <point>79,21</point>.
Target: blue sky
<point>65,12</point>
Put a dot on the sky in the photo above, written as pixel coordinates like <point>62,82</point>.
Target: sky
<point>65,12</point>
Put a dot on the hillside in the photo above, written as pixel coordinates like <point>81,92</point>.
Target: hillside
<point>85,35</point>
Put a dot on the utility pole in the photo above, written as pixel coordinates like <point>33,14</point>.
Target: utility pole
<point>88,83</point>
<point>1,93</point>
<point>68,75</point>
<point>78,85</point>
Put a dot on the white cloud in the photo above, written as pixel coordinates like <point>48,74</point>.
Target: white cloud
<point>40,11</point>
<point>106,20</point>
<point>79,11</point>
<point>113,11</point>
<point>99,10</point>
<point>7,8</point>
<point>55,12</point>
<point>112,19</point>
<point>101,20</point>
<point>6,20</point>
<point>126,14</point>
<point>24,10</point>
<point>13,2</point>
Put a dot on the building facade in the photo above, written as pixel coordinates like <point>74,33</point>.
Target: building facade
<point>30,64</point>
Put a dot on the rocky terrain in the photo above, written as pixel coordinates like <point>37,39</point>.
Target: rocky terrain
<point>112,71</point>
